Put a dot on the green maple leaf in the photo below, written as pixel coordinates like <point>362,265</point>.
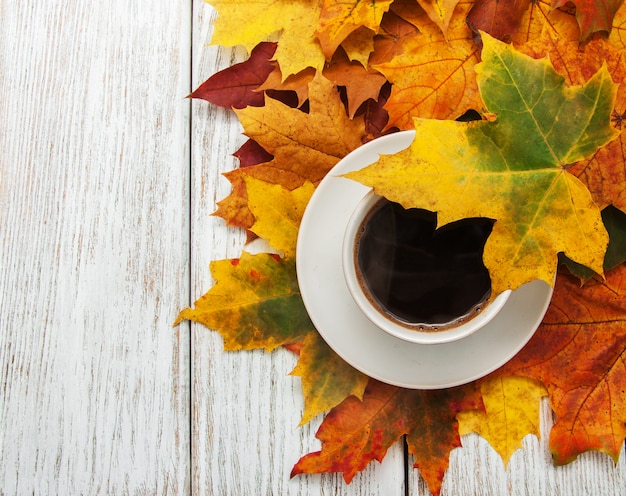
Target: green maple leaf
<point>512,168</point>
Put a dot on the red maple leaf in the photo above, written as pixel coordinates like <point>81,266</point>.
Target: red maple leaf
<point>579,353</point>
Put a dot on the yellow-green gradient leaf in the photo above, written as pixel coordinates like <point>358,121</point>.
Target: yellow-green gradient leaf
<point>255,303</point>
<point>511,412</point>
<point>277,212</point>
<point>327,379</point>
<point>512,168</point>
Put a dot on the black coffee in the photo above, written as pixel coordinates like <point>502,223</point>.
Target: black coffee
<point>419,274</point>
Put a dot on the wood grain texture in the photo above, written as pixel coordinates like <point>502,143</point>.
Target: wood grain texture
<point>108,177</point>
<point>94,235</point>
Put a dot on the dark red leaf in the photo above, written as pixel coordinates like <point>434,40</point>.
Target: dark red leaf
<point>235,86</point>
<point>251,153</point>
<point>499,18</point>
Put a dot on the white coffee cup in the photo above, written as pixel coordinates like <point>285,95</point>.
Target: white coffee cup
<point>416,332</point>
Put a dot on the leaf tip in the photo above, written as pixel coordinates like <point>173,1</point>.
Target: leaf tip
<point>183,315</point>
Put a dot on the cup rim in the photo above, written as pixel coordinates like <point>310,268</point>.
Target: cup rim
<point>407,332</point>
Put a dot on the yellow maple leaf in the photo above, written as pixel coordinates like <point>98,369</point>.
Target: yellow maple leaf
<point>277,212</point>
<point>511,413</point>
<point>440,12</point>
<point>247,23</point>
<point>339,19</point>
<point>326,378</point>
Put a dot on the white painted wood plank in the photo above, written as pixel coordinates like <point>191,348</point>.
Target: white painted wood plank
<point>246,406</point>
<point>94,237</point>
<point>478,470</point>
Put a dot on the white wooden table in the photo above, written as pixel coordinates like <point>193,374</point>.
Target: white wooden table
<point>107,179</point>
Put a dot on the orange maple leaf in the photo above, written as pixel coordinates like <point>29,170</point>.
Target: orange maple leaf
<point>433,77</point>
<point>579,354</point>
<point>357,432</point>
<point>361,84</point>
<point>304,146</point>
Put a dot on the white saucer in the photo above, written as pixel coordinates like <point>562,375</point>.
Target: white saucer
<point>354,337</point>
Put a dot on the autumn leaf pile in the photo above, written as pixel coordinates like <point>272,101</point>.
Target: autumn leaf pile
<point>518,108</point>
